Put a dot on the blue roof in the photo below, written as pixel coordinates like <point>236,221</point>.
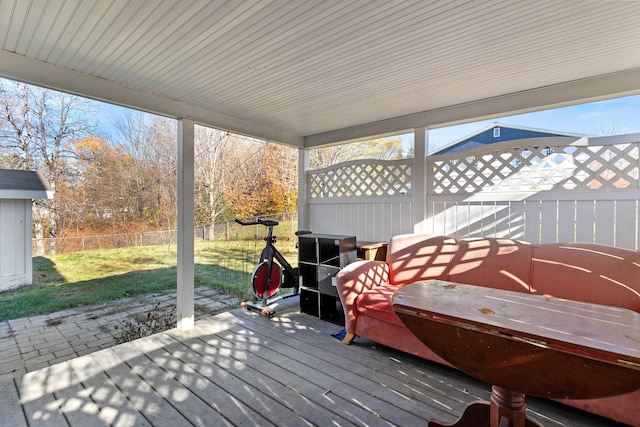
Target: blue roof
<point>499,133</point>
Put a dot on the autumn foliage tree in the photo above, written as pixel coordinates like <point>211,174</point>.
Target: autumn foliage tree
<point>266,182</point>
<point>129,186</point>
<point>123,178</point>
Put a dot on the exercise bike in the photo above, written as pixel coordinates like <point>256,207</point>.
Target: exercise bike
<point>269,276</point>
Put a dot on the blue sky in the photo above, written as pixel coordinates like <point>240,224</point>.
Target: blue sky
<point>621,115</point>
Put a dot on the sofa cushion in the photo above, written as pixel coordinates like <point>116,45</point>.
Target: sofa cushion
<point>376,303</point>
<point>418,257</point>
<point>587,272</point>
<point>496,263</point>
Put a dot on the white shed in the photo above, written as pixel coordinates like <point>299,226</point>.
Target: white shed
<point>17,190</point>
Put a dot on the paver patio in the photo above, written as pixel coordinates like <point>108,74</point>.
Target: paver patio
<point>36,342</point>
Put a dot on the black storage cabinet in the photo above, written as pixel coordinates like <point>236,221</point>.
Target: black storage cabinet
<point>320,258</point>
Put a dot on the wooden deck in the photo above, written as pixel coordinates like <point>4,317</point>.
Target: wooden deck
<point>239,368</point>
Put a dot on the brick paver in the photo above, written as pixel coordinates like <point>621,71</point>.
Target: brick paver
<point>35,342</point>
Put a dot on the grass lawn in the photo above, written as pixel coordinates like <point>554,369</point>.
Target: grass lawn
<point>80,278</point>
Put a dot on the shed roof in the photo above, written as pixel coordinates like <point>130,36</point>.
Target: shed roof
<point>22,184</point>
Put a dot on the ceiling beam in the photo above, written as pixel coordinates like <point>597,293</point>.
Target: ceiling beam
<point>23,69</point>
<point>559,95</point>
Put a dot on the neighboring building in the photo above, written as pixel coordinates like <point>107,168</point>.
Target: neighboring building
<point>498,133</point>
<point>17,190</point>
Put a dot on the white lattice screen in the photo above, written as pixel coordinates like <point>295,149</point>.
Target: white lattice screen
<point>361,178</point>
<point>538,168</point>
<point>538,190</point>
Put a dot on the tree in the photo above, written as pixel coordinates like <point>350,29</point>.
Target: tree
<point>213,165</point>
<point>149,175</point>
<point>37,126</point>
<point>129,184</point>
<point>265,180</point>
<point>610,130</point>
<point>380,149</point>
<point>98,197</point>
<point>279,180</point>
<point>162,140</point>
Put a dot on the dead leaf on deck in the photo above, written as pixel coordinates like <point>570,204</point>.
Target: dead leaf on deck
<point>486,310</point>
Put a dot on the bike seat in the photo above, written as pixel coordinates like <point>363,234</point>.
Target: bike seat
<point>269,222</point>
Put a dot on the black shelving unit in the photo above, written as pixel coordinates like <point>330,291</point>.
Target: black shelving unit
<point>320,258</point>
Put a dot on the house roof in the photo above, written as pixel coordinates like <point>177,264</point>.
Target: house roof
<point>486,136</point>
<point>318,72</point>
<point>21,184</point>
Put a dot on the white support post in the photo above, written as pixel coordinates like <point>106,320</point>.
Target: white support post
<point>419,180</point>
<point>303,208</point>
<point>186,310</point>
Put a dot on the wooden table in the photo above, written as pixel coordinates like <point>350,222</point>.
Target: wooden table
<point>523,344</point>
<point>372,251</point>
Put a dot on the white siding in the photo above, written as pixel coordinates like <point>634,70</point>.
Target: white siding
<point>15,249</point>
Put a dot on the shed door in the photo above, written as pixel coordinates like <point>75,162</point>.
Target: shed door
<point>13,242</point>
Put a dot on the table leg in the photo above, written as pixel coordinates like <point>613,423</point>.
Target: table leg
<point>476,414</point>
<point>506,409</point>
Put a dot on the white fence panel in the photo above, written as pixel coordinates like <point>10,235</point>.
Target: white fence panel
<point>532,221</point>
<point>369,222</point>
<point>516,220</point>
<point>548,221</point>
<point>542,190</point>
<point>626,223</point>
<point>584,220</point>
<point>369,199</point>
<point>566,220</point>
<point>605,222</point>
<point>538,190</point>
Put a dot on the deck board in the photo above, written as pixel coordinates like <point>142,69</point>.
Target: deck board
<point>203,379</point>
<point>319,364</point>
<point>239,368</point>
<point>244,390</point>
<point>38,403</point>
<point>367,368</point>
<point>272,374</point>
<point>114,408</point>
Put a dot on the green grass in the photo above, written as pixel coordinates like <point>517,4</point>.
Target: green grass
<point>81,278</point>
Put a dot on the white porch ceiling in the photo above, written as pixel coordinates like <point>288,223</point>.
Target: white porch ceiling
<point>313,72</point>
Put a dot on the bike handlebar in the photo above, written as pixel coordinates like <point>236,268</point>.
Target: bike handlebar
<point>268,223</point>
<point>265,222</point>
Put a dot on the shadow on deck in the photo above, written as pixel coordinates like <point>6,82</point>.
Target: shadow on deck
<point>238,368</point>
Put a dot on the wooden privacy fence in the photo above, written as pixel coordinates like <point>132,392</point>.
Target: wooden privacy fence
<point>539,190</point>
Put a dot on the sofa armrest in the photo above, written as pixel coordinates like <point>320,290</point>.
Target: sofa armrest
<point>354,279</point>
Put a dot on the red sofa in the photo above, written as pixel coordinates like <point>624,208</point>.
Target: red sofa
<point>584,272</point>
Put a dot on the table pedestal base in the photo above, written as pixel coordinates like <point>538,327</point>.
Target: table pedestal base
<point>506,409</point>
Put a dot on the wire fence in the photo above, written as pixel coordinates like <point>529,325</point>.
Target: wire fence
<point>221,230</point>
